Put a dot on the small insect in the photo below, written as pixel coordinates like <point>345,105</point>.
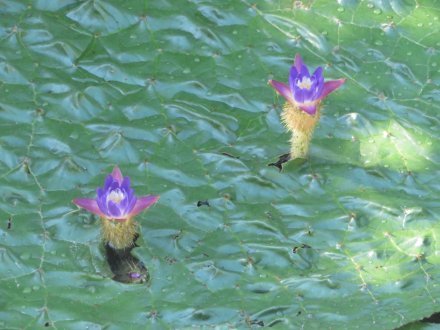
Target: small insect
<point>281,160</point>
<point>9,223</point>
<point>200,203</point>
<point>303,246</point>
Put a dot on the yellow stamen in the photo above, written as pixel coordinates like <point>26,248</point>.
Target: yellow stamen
<point>305,83</point>
<point>116,196</point>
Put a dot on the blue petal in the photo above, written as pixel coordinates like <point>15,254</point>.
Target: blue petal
<point>298,94</point>
<point>114,185</point>
<point>318,73</point>
<point>108,182</point>
<point>123,205</point>
<point>304,71</point>
<point>125,183</point>
<point>292,78</point>
<point>100,192</point>
<point>102,200</point>
<point>130,195</point>
<point>114,210</point>
<point>131,203</point>
<point>318,83</point>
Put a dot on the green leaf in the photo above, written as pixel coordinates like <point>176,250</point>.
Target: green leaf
<point>176,94</point>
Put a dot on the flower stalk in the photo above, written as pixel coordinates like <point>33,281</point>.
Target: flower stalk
<point>301,112</point>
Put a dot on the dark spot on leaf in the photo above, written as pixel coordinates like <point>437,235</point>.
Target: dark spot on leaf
<point>170,260</point>
<point>154,314</point>
<point>26,167</point>
<point>227,196</point>
<point>201,316</point>
<point>421,257</point>
<point>260,290</point>
<point>9,223</point>
<point>177,235</point>
<point>281,160</point>
<point>257,322</point>
<point>229,155</point>
<point>201,203</point>
<point>47,324</point>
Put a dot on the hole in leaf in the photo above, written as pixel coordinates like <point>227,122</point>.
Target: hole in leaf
<point>125,267</point>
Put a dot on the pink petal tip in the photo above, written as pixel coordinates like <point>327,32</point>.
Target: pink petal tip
<point>310,109</point>
<point>143,203</point>
<point>117,174</point>
<point>282,89</point>
<point>298,63</point>
<point>89,204</point>
<point>330,86</point>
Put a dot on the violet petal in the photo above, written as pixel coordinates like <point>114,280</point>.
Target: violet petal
<point>123,205</point>
<point>299,94</point>
<point>108,182</point>
<point>100,192</point>
<point>114,210</point>
<point>101,200</point>
<point>318,83</point>
<point>115,185</point>
<point>125,184</point>
<point>318,73</point>
<point>304,71</point>
<point>293,75</point>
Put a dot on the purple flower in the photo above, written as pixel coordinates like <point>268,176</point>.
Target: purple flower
<point>116,200</point>
<point>305,91</point>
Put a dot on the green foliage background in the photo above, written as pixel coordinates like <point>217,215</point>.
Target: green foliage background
<point>169,91</point>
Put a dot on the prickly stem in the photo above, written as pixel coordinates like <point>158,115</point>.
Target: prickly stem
<point>119,235</point>
<point>301,125</point>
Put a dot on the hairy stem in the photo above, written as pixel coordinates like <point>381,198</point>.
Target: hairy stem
<point>118,235</point>
<point>301,125</point>
<point>299,144</point>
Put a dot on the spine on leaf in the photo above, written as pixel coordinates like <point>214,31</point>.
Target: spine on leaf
<point>301,125</point>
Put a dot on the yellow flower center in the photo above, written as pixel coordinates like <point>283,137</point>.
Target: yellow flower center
<point>305,83</point>
<point>116,196</point>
